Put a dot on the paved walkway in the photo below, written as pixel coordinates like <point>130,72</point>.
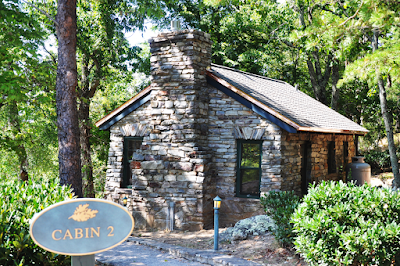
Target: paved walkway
<point>147,252</point>
<point>130,253</point>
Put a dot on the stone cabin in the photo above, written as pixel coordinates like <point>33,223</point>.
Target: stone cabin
<point>201,130</point>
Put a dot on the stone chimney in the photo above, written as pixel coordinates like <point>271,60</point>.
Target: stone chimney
<point>179,119</point>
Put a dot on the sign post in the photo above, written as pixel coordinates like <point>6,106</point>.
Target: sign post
<point>81,227</point>
<point>82,260</point>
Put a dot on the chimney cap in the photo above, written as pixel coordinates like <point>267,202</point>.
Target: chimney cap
<point>175,25</point>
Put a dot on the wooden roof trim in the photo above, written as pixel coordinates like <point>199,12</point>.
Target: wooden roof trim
<point>332,130</point>
<point>123,106</point>
<point>253,101</point>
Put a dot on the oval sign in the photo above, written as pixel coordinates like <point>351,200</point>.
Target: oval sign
<point>81,226</point>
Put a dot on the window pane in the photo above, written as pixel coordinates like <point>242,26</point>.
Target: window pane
<point>250,182</point>
<point>130,146</point>
<point>250,155</point>
<point>133,145</point>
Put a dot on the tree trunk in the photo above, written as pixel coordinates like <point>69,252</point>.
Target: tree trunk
<point>18,145</point>
<point>335,90</point>
<point>319,81</point>
<point>87,166</point>
<point>67,113</point>
<point>86,92</point>
<point>387,118</point>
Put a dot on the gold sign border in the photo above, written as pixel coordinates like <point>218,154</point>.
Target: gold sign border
<point>36,216</point>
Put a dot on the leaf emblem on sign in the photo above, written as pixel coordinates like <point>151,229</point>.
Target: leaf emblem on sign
<point>83,213</point>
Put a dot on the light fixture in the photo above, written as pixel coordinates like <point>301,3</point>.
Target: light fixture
<point>217,205</point>
<point>217,202</point>
<point>125,201</point>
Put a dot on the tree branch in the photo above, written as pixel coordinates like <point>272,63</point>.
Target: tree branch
<point>367,36</point>
<point>341,5</point>
<point>52,57</point>
<point>42,11</point>
<point>327,70</point>
<point>330,11</point>
<point>318,71</point>
<point>272,32</point>
<point>355,14</point>
<point>289,44</point>
<point>313,78</point>
<point>96,82</point>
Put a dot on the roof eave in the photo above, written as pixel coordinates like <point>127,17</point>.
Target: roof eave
<point>115,115</point>
<point>100,124</point>
<point>333,131</point>
<point>280,116</point>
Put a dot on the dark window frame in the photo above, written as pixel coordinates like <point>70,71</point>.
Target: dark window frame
<point>239,168</point>
<point>127,160</point>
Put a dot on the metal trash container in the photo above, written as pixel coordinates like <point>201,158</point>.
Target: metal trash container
<point>358,171</point>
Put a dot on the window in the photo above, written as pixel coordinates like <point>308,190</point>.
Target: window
<point>248,168</point>
<point>331,157</point>
<point>131,144</point>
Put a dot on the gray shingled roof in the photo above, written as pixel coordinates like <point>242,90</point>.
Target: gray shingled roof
<point>286,100</point>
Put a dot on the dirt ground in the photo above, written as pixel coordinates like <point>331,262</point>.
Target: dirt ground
<point>261,249</point>
<point>382,179</point>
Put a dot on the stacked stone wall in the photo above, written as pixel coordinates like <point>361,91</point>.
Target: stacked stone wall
<point>160,175</point>
<point>292,157</point>
<point>171,165</point>
<point>281,157</point>
<point>114,172</point>
<point>229,121</point>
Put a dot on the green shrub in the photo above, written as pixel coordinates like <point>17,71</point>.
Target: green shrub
<point>379,159</point>
<point>344,224</point>
<point>19,201</point>
<point>280,205</point>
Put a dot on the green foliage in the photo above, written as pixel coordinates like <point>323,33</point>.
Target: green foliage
<point>280,206</point>
<point>247,35</point>
<point>344,224</point>
<point>27,111</point>
<point>106,65</point>
<point>19,201</point>
<point>250,154</point>
<point>379,159</point>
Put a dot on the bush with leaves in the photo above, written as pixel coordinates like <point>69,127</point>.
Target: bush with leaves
<point>19,201</point>
<point>280,205</point>
<point>345,224</point>
<point>378,159</point>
